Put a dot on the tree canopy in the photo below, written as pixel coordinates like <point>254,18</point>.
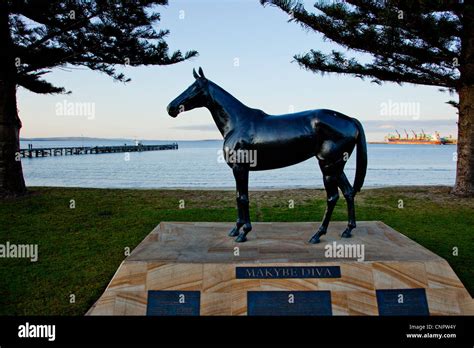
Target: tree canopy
<point>97,34</point>
<point>410,41</point>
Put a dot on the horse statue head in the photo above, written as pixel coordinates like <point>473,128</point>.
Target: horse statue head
<point>194,96</point>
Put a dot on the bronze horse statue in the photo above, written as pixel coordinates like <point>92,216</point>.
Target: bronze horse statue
<point>281,141</point>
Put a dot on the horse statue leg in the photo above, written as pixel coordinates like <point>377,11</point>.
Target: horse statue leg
<point>234,232</point>
<point>241,174</point>
<point>349,194</point>
<point>330,184</point>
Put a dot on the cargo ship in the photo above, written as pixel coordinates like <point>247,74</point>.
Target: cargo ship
<point>419,139</point>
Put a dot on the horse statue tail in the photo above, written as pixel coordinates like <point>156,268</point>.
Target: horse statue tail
<point>361,165</point>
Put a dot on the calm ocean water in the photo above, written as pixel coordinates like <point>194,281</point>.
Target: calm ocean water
<point>195,165</point>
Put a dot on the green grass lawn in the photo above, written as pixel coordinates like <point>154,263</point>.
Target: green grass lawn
<point>81,248</point>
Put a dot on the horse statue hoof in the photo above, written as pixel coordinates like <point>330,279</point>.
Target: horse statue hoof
<point>314,239</point>
<point>234,232</point>
<point>241,238</point>
<point>346,234</point>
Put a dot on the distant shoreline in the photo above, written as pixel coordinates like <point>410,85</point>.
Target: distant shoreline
<point>125,140</point>
<point>251,189</point>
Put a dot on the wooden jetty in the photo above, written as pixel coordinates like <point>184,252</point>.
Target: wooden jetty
<point>31,152</point>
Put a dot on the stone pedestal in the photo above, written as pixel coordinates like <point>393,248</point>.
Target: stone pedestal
<point>185,268</point>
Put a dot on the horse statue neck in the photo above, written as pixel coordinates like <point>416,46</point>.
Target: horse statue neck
<point>226,110</point>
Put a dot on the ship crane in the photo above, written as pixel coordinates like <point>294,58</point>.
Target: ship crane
<point>419,139</point>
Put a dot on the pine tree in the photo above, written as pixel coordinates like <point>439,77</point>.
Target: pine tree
<point>38,35</point>
<point>425,42</point>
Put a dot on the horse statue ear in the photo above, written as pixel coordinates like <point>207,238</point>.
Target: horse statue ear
<point>201,73</point>
<point>196,76</point>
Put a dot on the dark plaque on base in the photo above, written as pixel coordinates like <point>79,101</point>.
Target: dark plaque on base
<point>402,302</point>
<point>173,303</point>
<point>294,303</point>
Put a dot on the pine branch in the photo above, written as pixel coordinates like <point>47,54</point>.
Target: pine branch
<point>421,46</point>
<point>336,63</point>
<point>33,83</point>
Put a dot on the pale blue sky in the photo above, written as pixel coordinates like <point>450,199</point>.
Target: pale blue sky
<point>263,42</point>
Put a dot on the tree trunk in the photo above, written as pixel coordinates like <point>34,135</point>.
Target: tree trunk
<point>465,165</point>
<point>11,173</point>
